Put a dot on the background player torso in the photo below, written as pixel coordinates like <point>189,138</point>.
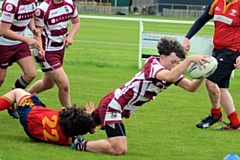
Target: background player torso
<point>18,13</point>
<point>54,19</point>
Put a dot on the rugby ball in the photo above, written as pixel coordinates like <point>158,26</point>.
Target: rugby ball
<point>196,73</point>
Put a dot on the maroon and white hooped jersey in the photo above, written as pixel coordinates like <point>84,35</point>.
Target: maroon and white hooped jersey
<point>54,19</point>
<point>18,13</point>
<point>142,88</point>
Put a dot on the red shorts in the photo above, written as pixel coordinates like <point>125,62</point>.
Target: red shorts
<point>106,114</point>
<point>11,54</point>
<point>52,60</point>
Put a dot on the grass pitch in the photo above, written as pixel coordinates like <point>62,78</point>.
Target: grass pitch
<point>103,57</point>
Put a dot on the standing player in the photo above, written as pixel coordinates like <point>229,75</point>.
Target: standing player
<point>14,46</point>
<point>48,125</point>
<point>226,40</point>
<point>157,75</point>
<point>52,18</point>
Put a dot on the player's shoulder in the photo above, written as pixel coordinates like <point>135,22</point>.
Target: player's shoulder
<point>9,3</point>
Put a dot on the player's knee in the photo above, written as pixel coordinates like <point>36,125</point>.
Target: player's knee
<point>31,76</point>
<point>48,86</point>
<point>64,88</point>
<point>211,86</point>
<point>120,151</point>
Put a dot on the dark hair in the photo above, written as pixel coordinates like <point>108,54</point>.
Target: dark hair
<point>75,121</point>
<point>168,45</point>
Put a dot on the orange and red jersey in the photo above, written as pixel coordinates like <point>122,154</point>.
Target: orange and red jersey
<point>226,17</point>
<point>41,123</point>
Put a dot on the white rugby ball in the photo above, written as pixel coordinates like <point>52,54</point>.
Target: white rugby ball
<point>196,73</point>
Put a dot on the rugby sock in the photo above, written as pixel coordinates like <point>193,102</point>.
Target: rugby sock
<point>216,112</point>
<point>20,83</point>
<point>5,103</point>
<point>233,118</point>
<point>81,146</point>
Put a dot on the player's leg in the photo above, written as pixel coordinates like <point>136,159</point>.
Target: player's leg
<point>214,91</point>
<point>227,101</point>
<point>2,75</point>
<point>29,72</point>
<point>25,60</point>
<point>61,80</point>
<point>115,144</point>
<point>41,85</point>
<point>6,60</point>
<point>11,97</point>
<point>228,106</point>
<point>111,121</point>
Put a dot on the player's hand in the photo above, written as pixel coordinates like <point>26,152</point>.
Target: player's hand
<point>237,64</point>
<point>68,41</point>
<point>186,45</point>
<point>89,107</point>
<point>199,60</point>
<point>33,43</point>
<point>41,54</point>
<point>36,32</point>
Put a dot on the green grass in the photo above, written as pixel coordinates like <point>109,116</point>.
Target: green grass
<point>103,57</point>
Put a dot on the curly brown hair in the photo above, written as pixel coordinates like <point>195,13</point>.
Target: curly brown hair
<point>75,121</point>
<point>167,45</point>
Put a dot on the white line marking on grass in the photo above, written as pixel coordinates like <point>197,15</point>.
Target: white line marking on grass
<point>127,44</point>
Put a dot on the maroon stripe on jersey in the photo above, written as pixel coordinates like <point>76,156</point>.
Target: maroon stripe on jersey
<point>140,103</point>
<point>149,94</point>
<point>6,22</point>
<point>59,32</point>
<point>56,44</point>
<point>17,28</point>
<point>24,16</point>
<point>8,7</point>
<point>179,80</point>
<point>139,90</point>
<point>124,98</point>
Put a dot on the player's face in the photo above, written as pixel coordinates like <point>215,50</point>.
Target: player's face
<point>171,61</point>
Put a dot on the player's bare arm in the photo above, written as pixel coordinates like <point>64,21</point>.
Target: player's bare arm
<point>7,32</point>
<point>174,73</point>
<point>190,86</point>
<point>74,28</point>
<point>41,52</point>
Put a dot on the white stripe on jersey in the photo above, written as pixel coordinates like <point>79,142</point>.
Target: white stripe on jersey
<point>114,104</point>
<point>25,8</point>
<point>110,117</point>
<point>7,17</point>
<point>60,11</point>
